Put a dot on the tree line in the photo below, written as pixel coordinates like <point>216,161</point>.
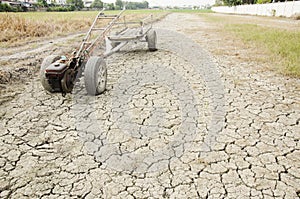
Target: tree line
<point>119,4</point>
<point>242,2</point>
<point>72,5</point>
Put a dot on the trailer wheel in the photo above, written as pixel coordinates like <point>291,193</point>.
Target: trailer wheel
<point>95,75</point>
<point>151,39</point>
<point>46,62</point>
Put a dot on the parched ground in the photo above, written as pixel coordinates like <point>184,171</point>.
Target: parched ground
<point>199,118</point>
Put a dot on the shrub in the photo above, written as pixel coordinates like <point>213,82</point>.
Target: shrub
<point>7,8</point>
<point>263,1</point>
<point>296,16</point>
<point>61,9</point>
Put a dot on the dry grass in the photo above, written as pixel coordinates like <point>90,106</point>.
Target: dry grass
<point>17,28</point>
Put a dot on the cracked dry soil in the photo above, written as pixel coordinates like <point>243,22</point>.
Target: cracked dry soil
<point>180,122</point>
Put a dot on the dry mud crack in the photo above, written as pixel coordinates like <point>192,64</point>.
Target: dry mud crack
<point>175,123</point>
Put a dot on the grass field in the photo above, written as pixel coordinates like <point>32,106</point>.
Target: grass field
<point>17,28</point>
<point>281,44</point>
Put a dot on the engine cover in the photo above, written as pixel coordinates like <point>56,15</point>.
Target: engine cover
<point>57,68</point>
<point>54,73</point>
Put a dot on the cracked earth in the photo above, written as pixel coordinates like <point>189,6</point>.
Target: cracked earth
<point>181,122</point>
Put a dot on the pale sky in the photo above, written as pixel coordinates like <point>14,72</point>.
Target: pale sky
<point>172,2</point>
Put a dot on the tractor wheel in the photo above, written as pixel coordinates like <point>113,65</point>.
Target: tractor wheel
<point>46,62</point>
<point>95,75</point>
<point>151,39</point>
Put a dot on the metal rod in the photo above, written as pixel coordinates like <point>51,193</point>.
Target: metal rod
<point>115,49</point>
<point>121,31</point>
<point>88,33</point>
<point>86,47</point>
<point>102,35</point>
<point>130,22</point>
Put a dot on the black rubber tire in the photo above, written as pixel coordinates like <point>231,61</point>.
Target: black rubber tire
<point>151,38</point>
<point>46,62</point>
<point>95,75</point>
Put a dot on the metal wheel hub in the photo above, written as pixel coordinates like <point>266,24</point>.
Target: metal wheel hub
<point>67,82</point>
<point>102,75</point>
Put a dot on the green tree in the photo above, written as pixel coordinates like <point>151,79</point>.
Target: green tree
<point>97,4</point>
<point>77,3</point>
<point>136,5</point>
<point>119,4</point>
<point>144,4</point>
<point>263,1</point>
<point>248,1</point>
<point>109,6</point>
<point>232,2</point>
<point>42,3</point>
<point>7,8</point>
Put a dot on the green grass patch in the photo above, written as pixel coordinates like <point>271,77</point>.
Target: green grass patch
<point>283,45</point>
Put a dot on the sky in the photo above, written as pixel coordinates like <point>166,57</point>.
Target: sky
<point>172,2</point>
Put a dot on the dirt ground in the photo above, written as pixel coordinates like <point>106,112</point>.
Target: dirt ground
<point>202,117</point>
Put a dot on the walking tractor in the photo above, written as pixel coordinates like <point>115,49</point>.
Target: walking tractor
<point>59,73</point>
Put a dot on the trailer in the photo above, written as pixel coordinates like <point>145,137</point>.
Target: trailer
<point>59,73</point>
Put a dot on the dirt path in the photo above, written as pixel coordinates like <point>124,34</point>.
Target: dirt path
<point>23,52</point>
<point>197,118</point>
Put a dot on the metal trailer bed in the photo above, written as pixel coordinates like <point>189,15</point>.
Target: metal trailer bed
<point>58,73</point>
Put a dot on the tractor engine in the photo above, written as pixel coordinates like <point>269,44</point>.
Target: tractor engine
<point>55,73</point>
